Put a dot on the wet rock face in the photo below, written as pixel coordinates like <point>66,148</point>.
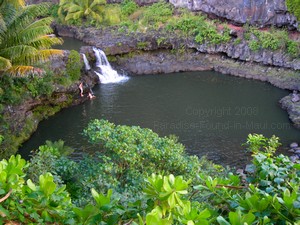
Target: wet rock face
<point>258,12</point>
<point>293,109</point>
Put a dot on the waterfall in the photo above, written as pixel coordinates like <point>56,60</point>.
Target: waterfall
<point>86,62</point>
<point>106,73</point>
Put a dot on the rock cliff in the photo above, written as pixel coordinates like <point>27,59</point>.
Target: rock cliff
<point>255,12</point>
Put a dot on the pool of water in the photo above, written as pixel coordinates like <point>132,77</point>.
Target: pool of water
<point>70,44</point>
<point>211,113</point>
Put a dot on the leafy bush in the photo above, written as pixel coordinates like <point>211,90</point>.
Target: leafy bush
<point>140,149</point>
<point>74,65</point>
<point>293,48</point>
<point>268,193</point>
<point>40,85</point>
<point>30,203</point>
<point>13,92</point>
<point>128,7</point>
<point>254,45</point>
<point>158,12</point>
<point>47,158</point>
<point>294,7</point>
<point>273,40</point>
<point>111,15</point>
<point>187,23</point>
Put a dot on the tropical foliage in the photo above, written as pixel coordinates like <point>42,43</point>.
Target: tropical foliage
<point>294,7</point>
<point>78,11</point>
<point>266,193</point>
<point>24,36</point>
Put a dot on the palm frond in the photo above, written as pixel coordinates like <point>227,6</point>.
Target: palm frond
<point>45,42</point>
<point>4,64</point>
<point>15,52</point>
<point>14,3</point>
<point>74,16</point>
<point>27,15</point>
<point>20,70</point>
<point>96,16</point>
<point>38,56</point>
<point>24,39</point>
<point>97,2</point>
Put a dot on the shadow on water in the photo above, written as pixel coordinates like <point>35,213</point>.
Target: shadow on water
<point>211,113</point>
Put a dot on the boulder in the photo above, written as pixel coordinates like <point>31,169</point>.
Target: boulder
<point>294,145</point>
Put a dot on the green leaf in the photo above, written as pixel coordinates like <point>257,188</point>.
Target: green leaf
<point>296,166</point>
<point>190,222</point>
<point>86,213</point>
<point>235,218</point>
<point>31,185</point>
<point>278,180</point>
<point>222,221</point>
<point>204,214</point>
<point>101,199</point>
<point>166,185</point>
<point>248,218</point>
<point>171,200</point>
<point>49,188</point>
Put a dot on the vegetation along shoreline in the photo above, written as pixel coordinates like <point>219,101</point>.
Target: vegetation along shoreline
<point>138,177</point>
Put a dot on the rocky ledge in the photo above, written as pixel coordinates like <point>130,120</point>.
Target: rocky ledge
<point>259,12</point>
<point>114,42</point>
<point>293,109</point>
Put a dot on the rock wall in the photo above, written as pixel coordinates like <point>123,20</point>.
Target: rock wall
<point>255,12</point>
<point>114,43</point>
<point>293,109</point>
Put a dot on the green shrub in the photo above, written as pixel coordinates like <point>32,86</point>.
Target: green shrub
<point>128,7</point>
<point>38,86</point>
<point>294,7</point>
<point>293,48</point>
<point>272,40</point>
<point>112,15</point>
<point>14,92</point>
<point>54,10</point>
<point>157,12</point>
<point>187,23</point>
<point>269,40</point>
<point>254,45</point>
<point>141,149</point>
<point>74,65</point>
<point>268,193</point>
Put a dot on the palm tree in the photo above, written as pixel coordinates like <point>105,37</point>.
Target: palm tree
<point>75,10</point>
<point>24,39</point>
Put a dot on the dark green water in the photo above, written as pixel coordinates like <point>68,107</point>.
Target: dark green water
<point>211,113</point>
<point>70,44</point>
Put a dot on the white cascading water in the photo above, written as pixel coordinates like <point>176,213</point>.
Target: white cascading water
<point>86,62</point>
<point>107,74</point>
